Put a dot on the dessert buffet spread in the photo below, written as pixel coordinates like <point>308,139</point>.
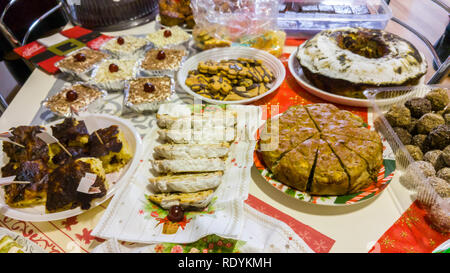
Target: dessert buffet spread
<point>188,169</point>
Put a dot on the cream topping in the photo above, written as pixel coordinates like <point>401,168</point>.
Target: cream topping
<point>322,55</point>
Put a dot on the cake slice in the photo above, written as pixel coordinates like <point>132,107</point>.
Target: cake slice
<point>329,176</point>
<point>63,183</point>
<point>354,165</point>
<point>111,147</point>
<point>187,182</point>
<point>188,165</point>
<point>32,194</point>
<point>191,151</point>
<point>295,167</point>
<point>197,200</point>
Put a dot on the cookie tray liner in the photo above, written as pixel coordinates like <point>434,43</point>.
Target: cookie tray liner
<point>381,100</point>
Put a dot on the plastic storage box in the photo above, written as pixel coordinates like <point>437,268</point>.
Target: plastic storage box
<point>382,100</point>
<point>305,18</point>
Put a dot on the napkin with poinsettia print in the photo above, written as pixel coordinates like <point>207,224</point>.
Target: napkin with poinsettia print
<point>260,234</point>
<point>132,217</point>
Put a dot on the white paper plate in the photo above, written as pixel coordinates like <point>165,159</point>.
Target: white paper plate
<point>297,72</point>
<point>217,54</point>
<point>27,245</point>
<point>38,214</point>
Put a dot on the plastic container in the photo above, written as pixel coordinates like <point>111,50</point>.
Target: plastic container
<point>108,15</point>
<point>303,19</point>
<point>417,182</point>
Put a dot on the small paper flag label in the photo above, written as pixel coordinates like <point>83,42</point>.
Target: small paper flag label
<point>6,134</point>
<point>91,124</point>
<point>47,138</point>
<point>86,182</point>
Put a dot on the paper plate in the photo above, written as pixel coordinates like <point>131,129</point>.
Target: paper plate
<point>384,177</point>
<point>217,54</point>
<point>38,214</point>
<point>297,72</point>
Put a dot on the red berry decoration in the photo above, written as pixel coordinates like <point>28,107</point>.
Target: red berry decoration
<point>71,95</point>
<point>120,41</point>
<point>149,88</point>
<point>80,57</point>
<point>161,55</point>
<point>167,33</point>
<point>176,214</point>
<point>113,68</point>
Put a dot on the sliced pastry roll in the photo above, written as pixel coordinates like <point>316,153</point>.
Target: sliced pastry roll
<point>187,182</point>
<point>198,122</point>
<point>206,136</point>
<point>190,151</point>
<point>198,200</point>
<point>189,165</point>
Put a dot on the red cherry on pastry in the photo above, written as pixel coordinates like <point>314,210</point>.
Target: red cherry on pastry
<point>120,41</point>
<point>161,55</point>
<point>176,214</point>
<point>71,95</point>
<point>113,68</point>
<point>149,88</point>
<point>167,33</point>
<point>80,57</point>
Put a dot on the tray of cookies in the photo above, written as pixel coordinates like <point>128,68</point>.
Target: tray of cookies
<point>237,75</point>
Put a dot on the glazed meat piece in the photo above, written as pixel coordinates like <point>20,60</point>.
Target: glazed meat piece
<point>25,195</point>
<point>71,132</point>
<point>63,183</point>
<point>418,107</point>
<point>34,149</point>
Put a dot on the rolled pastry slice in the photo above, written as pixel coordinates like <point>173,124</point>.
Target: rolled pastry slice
<point>198,200</point>
<point>190,151</point>
<point>207,120</point>
<point>209,136</point>
<point>187,182</point>
<point>189,165</point>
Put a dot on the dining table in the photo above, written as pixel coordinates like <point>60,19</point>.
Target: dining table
<point>356,227</point>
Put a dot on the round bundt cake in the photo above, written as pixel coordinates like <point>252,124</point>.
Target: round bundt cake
<point>346,61</point>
